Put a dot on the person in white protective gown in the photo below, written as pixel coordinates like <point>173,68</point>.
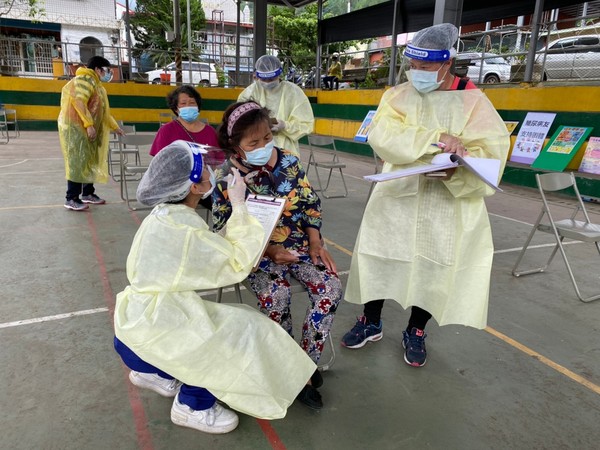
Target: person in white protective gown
<point>175,342</point>
<point>425,241</point>
<point>292,116</point>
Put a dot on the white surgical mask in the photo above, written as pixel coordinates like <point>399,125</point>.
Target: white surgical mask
<point>424,80</point>
<point>270,84</point>
<point>213,183</point>
<point>260,156</point>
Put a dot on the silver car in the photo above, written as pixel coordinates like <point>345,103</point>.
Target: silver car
<point>489,68</point>
<point>575,57</point>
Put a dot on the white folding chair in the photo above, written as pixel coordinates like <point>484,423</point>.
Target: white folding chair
<point>165,117</point>
<point>115,151</point>
<point>326,145</point>
<point>4,127</point>
<point>570,228</point>
<point>296,288</point>
<point>129,171</point>
<point>11,120</point>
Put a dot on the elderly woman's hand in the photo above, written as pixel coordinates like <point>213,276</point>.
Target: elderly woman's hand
<point>319,253</point>
<point>280,255</point>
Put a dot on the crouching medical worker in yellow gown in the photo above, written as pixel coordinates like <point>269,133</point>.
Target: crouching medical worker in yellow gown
<point>178,344</point>
<point>426,241</point>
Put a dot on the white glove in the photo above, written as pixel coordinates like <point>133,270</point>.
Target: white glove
<point>236,187</point>
<point>277,127</point>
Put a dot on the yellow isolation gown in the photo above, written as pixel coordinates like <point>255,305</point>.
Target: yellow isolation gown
<point>427,242</point>
<point>242,357</point>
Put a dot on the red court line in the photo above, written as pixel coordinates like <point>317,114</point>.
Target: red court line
<point>139,416</point>
<point>270,434</point>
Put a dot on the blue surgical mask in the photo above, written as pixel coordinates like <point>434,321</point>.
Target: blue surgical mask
<point>106,76</point>
<point>260,156</point>
<point>269,84</point>
<point>425,81</point>
<point>189,113</point>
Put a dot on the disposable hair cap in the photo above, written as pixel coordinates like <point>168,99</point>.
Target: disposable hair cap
<point>434,43</point>
<point>173,170</point>
<point>268,66</point>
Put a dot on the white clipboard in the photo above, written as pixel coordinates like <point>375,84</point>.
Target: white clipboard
<point>267,210</point>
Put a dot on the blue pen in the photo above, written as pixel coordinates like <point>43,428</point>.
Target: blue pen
<point>439,145</point>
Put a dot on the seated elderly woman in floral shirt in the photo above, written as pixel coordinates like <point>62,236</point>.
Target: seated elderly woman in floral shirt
<point>296,246</point>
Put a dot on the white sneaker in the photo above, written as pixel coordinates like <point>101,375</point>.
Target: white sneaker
<point>156,383</point>
<point>215,420</point>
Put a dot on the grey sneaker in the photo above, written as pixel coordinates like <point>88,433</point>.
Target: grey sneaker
<point>76,205</point>
<point>93,199</point>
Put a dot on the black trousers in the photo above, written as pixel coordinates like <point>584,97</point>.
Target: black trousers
<point>418,316</point>
<point>74,190</point>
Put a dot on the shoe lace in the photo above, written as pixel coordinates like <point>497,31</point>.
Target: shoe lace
<point>173,384</point>
<point>211,415</point>
<point>416,343</point>
<point>360,326</point>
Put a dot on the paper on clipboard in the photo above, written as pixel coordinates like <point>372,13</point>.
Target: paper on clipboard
<point>267,210</point>
<point>487,169</point>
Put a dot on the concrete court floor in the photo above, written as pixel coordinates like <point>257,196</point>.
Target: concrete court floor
<point>530,381</point>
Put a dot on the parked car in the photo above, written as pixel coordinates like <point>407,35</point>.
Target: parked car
<point>575,57</point>
<point>489,68</point>
<point>203,73</point>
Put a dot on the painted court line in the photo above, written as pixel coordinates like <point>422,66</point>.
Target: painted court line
<point>84,312</point>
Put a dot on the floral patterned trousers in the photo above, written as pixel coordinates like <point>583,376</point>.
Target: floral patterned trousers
<point>272,288</point>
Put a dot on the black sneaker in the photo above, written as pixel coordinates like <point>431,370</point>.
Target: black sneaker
<point>316,379</point>
<point>361,333</point>
<point>415,353</point>
<point>310,397</point>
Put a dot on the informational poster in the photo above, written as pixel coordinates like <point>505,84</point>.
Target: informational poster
<point>511,125</point>
<point>363,132</point>
<point>561,148</point>
<point>530,139</point>
<point>591,158</point>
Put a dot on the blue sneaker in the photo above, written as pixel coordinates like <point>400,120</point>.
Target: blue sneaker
<point>415,353</point>
<point>361,333</point>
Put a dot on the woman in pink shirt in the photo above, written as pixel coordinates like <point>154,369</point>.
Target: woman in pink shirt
<point>185,102</point>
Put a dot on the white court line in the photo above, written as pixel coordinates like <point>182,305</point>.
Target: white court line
<point>50,318</point>
<point>510,218</point>
<point>14,164</point>
<point>518,249</point>
<point>96,310</point>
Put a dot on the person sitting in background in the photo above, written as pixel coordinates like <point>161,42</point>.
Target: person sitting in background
<point>176,343</point>
<point>291,114</point>
<point>296,246</point>
<point>185,102</point>
<point>333,74</point>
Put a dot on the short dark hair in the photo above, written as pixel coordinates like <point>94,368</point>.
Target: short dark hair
<point>97,61</point>
<point>173,97</point>
<point>247,121</point>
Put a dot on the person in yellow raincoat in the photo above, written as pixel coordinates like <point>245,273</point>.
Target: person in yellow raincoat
<point>175,342</point>
<point>291,114</point>
<point>425,241</point>
<point>84,126</point>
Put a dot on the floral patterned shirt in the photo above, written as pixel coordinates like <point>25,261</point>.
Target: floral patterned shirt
<point>287,179</point>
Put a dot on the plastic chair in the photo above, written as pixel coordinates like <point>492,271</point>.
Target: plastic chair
<point>4,127</point>
<point>11,120</point>
<point>128,171</point>
<point>570,228</point>
<point>326,143</point>
<point>296,288</point>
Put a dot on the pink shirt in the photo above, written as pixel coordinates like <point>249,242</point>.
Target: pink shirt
<point>173,131</point>
<point>454,87</point>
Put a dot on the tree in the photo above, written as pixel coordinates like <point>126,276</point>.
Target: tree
<point>294,34</point>
<point>34,8</point>
<point>153,18</point>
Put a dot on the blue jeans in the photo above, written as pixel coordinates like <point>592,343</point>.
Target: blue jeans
<point>195,397</point>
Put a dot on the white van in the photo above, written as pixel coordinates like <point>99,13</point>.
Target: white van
<point>489,68</point>
<point>203,74</point>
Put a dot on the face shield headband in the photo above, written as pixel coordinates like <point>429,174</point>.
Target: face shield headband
<point>424,54</point>
<point>204,155</point>
<point>267,75</point>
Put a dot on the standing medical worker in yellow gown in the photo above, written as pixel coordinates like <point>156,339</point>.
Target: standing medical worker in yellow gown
<point>168,334</point>
<point>426,242</point>
<point>292,114</point>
